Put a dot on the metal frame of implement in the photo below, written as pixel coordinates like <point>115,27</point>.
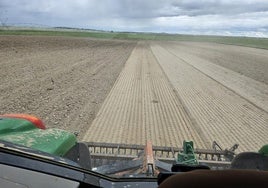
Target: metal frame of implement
<point>106,157</point>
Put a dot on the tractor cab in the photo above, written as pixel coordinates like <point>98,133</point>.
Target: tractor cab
<point>33,156</point>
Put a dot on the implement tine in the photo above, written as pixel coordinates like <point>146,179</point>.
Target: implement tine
<point>117,151</point>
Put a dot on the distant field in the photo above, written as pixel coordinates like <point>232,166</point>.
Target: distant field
<point>242,41</point>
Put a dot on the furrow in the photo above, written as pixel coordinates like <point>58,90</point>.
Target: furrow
<point>142,106</point>
<point>220,113</point>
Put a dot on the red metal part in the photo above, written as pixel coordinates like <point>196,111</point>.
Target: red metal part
<point>149,162</point>
<point>34,120</point>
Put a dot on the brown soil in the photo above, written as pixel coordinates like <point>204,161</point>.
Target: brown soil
<point>251,62</point>
<point>160,91</point>
<point>166,95</point>
<point>61,80</point>
<point>224,105</point>
<point>143,106</point>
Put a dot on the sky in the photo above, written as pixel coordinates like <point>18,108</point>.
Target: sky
<point>209,17</point>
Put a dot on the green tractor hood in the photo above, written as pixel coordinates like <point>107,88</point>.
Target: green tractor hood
<point>24,132</point>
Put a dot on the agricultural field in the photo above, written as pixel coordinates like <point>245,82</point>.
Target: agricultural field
<point>61,80</point>
<point>242,41</point>
<point>129,91</point>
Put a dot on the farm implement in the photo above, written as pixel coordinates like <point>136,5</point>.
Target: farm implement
<point>27,144</point>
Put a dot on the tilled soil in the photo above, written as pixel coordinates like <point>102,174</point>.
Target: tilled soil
<point>213,98</point>
<point>143,106</point>
<point>127,92</point>
<point>251,62</point>
<point>166,95</point>
<point>61,80</point>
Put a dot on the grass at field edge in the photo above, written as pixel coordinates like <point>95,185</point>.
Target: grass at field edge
<point>241,41</point>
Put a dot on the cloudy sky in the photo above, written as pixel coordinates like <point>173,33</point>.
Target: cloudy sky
<point>220,17</point>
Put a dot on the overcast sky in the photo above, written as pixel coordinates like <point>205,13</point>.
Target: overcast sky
<point>223,17</point>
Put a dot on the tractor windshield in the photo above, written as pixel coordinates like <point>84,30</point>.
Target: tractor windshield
<point>130,89</point>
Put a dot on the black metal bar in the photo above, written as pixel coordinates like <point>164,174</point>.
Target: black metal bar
<point>160,152</point>
<point>118,167</point>
<point>155,148</point>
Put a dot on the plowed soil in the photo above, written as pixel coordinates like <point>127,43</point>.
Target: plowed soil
<point>61,80</point>
<point>166,93</point>
<point>127,92</point>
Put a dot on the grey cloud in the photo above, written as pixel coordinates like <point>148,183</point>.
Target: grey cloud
<point>219,7</point>
<point>142,15</point>
<point>137,9</point>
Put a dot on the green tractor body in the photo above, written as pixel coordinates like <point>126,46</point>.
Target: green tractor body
<point>24,132</point>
